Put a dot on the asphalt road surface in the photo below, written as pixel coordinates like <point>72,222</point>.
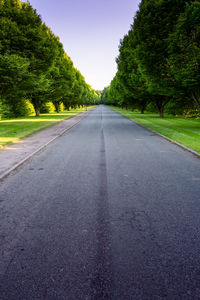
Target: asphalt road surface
<point>107,211</point>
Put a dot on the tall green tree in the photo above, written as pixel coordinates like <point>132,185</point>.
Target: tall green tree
<point>134,85</point>
<point>33,63</point>
<point>62,77</point>
<point>23,34</point>
<point>184,50</point>
<point>153,24</point>
<point>14,80</point>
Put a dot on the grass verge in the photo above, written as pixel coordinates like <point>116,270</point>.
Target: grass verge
<point>181,130</point>
<point>13,130</point>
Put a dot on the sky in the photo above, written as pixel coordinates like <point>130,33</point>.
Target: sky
<point>90,31</point>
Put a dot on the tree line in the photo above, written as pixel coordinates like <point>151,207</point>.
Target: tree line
<point>34,65</point>
<point>159,59</point>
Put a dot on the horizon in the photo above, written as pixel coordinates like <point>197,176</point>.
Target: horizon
<point>91,44</point>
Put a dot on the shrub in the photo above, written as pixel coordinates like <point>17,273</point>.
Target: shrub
<point>18,109</point>
<point>192,113</point>
<point>47,108</point>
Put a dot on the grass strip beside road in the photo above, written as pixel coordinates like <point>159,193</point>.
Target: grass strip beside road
<point>181,130</point>
<point>13,130</point>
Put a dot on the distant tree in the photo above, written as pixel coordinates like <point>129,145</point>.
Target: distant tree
<point>62,77</point>
<point>135,87</point>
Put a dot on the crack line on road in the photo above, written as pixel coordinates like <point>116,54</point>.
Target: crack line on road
<point>101,283</point>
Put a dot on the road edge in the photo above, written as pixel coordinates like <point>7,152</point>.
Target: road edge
<point>161,135</point>
<point>16,166</point>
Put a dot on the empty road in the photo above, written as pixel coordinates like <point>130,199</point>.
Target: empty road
<point>107,211</point>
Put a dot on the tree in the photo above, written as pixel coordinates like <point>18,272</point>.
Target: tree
<point>153,24</point>
<point>62,77</point>
<point>134,85</point>
<point>14,78</point>
<point>33,63</point>
<point>24,35</point>
<point>184,50</point>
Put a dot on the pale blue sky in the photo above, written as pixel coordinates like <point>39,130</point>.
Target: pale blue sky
<point>90,31</point>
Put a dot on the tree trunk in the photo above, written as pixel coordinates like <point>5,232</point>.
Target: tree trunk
<point>161,112</point>
<point>57,106</point>
<point>160,108</point>
<point>37,112</point>
<point>36,107</point>
<point>67,106</point>
<point>196,99</point>
<point>160,104</point>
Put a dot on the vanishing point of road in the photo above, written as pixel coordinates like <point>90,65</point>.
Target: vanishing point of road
<point>107,211</point>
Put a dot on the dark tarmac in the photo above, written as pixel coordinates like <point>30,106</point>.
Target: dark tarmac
<point>107,211</point>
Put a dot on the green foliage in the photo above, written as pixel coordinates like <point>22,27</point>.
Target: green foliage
<point>13,81</point>
<point>159,59</point>
<point>61,107</point>
<point>34,65</point>
<point>184,49</point>
<point>192,114</point>
<point>47,108</point>
<point>29,108</point>
<point>5,111</point>
<point>25,108</point>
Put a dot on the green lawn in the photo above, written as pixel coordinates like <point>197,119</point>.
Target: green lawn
<point>12,130</point>
<point>183,131</point>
